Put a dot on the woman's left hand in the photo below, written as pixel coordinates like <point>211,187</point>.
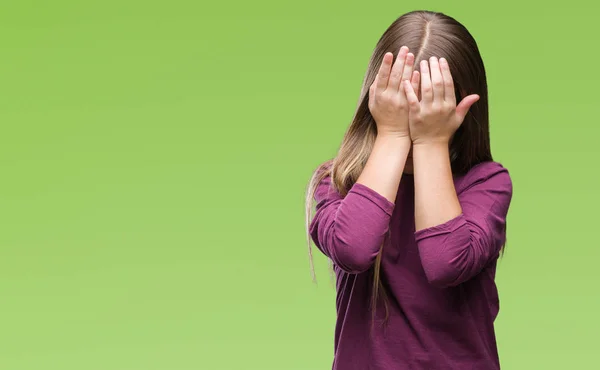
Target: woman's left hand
<point>435,118</point>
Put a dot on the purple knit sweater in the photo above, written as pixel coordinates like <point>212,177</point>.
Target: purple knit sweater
<point>441,296</point>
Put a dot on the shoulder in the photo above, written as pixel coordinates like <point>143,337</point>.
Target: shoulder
<point>321,182</point>
<point>323,169</point>
<point>490,174</point>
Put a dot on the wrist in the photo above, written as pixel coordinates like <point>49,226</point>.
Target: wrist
<point>431,149</point>
<point>395,136</point>
<point>399,144</point>
<point>398,141</point>
<point>431,144</point>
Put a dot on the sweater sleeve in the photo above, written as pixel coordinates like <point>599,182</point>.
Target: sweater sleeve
<point>459,249</point>
<point>350,230</point>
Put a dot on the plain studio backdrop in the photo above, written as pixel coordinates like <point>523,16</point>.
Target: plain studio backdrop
<point>154,157</point>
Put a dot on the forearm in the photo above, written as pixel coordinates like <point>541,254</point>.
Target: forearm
<point>385,165</point>
<point>436,201</point>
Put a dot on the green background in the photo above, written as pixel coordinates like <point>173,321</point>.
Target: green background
<point>154,157</point>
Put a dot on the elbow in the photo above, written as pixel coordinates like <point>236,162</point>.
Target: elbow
<point>353,251</point>
<point>442,279</point>
<point>456,257</point>
<point>354,257</point>
<point>448,270</point>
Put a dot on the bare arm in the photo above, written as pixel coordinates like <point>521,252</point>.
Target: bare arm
<point>350,230</point>
<point>457,235</point>
<point>385,165</point>
<point>389,108</point>
<point>433,121</point>
<point>435,196</point>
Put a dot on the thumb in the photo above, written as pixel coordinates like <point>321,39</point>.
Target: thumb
<point>463,107</point>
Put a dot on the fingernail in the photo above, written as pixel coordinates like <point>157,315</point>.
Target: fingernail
<point>443,60</point>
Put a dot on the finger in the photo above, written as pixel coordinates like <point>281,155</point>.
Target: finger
<point>408,66</point>
<point>414,81</point>
<point>397,69</point>
<point>384,71</point>
<point>449,95</point>
<point>437,81</point>
<point>463,107</point>
<point>374,84</point>
<point>372,90</point>
<point>411,97</point>
<point>426,92</point>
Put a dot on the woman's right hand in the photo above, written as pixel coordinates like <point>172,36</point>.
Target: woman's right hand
<point>387,98</point>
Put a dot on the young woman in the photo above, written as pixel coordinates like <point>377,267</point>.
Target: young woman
<point>412,210</point>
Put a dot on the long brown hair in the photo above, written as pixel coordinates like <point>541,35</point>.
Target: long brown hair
<point>426,34</point>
